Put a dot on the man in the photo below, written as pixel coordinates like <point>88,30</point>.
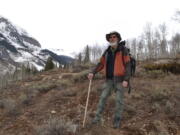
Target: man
<point>115,63</point>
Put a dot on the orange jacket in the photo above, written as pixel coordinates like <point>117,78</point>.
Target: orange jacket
<point>121,64</point>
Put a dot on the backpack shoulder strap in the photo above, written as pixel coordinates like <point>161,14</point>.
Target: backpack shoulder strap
<point>122,48</point>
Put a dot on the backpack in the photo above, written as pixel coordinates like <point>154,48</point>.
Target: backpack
<point>123,43</point>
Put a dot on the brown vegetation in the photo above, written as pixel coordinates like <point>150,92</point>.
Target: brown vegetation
<point>53,102</point>
<point>167,67</point>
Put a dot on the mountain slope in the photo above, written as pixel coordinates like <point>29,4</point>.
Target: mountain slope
<point>18,47</point>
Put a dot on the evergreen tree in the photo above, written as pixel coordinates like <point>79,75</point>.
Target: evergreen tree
<point>49,64</point>
<point>87,57</point>
<point>79,58</point>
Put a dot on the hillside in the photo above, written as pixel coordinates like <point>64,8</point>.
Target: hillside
<point>56,99</point>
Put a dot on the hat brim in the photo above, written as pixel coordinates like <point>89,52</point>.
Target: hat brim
<point>117,34</point>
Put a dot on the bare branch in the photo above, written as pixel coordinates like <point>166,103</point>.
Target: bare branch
<point>176,17</point>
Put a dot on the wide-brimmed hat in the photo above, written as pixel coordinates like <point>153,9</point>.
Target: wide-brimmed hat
<point>113,33</point>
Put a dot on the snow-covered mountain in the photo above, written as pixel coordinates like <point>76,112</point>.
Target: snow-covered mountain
<point>62,52</point>
<point>17,47</point>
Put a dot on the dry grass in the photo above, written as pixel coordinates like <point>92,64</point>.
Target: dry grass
<point>154,74</point>
<point>11,107</point>
<point>81,76</point>
<point>159,94</point>
<point>1,103</point>
<point>136,95</point>
<point>56,126</point>
<point>64,83</point>
<point>43,87</point>
<point>169,107</point>
<point>156,107</point>
<point>154,97</point>
<point>160,128</point>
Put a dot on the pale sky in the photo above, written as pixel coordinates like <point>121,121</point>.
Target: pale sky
<point>72,24</point>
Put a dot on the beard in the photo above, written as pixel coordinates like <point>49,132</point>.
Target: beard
<point>113,43</point>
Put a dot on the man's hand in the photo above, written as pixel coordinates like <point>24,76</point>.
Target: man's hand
<point>90,76</point>
<point>125,84</point>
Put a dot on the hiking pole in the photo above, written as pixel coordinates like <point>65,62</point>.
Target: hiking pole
<point>89,89</point>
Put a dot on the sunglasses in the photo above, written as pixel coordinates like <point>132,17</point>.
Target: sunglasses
<point>112,37</point>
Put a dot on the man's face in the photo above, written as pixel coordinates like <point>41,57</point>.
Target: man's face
<point>113,39</point>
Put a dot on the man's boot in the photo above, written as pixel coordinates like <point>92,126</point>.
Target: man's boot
<point>116,123</point>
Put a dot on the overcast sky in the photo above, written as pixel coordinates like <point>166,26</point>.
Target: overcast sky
<point>72,24</point>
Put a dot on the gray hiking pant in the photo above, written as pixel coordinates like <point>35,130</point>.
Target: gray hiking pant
<point>108,87</point>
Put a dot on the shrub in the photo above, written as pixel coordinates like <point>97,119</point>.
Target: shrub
<point>31,92</point>
<point>11,107</point>
<point>169,107</point>
<point>44,87</point>
<point>25,99</point>
<point>129,111</point>
<point>160,127</point>
<point>1,104</point>
<point>156,107</point>
<point>81,67</point>
<point>159,94</point>
<point>64,83</point>
<point>56,126</point>
<point>155,74</point>
<point>136,95</point>
<point>172,67</point>
<point>80,76</point>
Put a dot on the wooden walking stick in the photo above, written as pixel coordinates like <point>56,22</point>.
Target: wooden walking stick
<point>89,89</point>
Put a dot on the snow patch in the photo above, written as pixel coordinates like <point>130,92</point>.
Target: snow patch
<point>38,67</point>
<point>2,26</point>
<point>20,30</point>
<point>61,52</point>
